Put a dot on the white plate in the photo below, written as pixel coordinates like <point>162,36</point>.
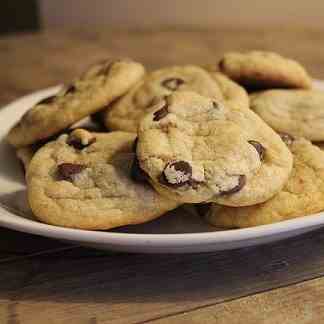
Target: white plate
<point>181,231</point>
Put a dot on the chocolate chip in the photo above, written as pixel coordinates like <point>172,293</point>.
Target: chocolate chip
<point>259,148</point>
<point>172,83</point>
<point>77,143</point>
<point>288,139</point>
<point>47,100</point>
<point>221,64</point>
<point>238,187</point>
<point>70,89</point>
<point>215,105</point>
<point>66,171</point>
<point>161,113</point>
<point>177,174</point>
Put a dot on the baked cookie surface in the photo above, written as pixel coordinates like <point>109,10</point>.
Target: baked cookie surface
<point>302,195</point>
<point>195,149</point>
<point>126,113</point>
<point>257,70</point>
<point>95,89</point>
<point>233,93</point>
<point>83,180</point>
<point>299,113</point>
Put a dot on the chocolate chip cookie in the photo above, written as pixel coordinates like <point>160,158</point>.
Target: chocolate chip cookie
<point>195,149</point>
<point>295,112</point>
<point>126,113</point>
<point>95,89</point>
<point>257,70</point>
<point>83,180</point>
<point>302,195</point>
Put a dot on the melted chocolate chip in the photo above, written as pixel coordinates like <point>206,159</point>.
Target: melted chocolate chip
<point>288,139</point>
<point>66,171</point>
<point>183,177</point>
<point>77,143</point>
<point>47,100</point>
<point>161,113</point>
<point>137,173</point>
<point>238,187</point>
<point>259,148</point>
<point>172,83</point>
<point>221,64</point>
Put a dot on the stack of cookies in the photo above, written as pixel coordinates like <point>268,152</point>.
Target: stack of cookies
<point>233,139</point>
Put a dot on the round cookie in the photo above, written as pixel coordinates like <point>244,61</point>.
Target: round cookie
<point>195,149</point>
<point>126,113</point>
<point>83,180</point>
<point>95,89</point>
<point>233,94</point>
<point>302,195</point>
<point>299,113</point>
<point>257,70</point>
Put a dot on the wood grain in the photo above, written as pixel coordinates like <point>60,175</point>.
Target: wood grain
<point>301,303</point>
<point>44,281</point>
<point>74,287</point>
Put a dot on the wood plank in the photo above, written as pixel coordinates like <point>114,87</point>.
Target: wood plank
<point>300,303</point>
<point>124,288</point>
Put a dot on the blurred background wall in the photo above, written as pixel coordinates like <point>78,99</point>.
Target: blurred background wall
<point>202,13</point>
<point>23,15</point>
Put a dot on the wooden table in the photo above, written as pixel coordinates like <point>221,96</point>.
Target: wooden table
<point>46,281</point>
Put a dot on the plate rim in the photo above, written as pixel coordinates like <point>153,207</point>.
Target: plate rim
<point>12,220</point>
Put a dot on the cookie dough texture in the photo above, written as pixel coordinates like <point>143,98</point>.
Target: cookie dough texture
<point>257,70</point>
<point>95,89</point>
<point>195,149</point>
<point>302,195</point>
<point>299,113</point>
<point>233,94</point>
<point>126,113</point>
<point>82,180</point>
